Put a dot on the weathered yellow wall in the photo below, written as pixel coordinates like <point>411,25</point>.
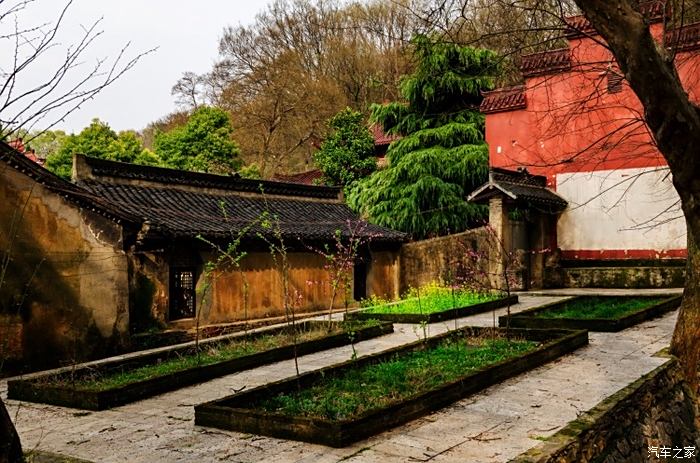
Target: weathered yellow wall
<point>148,288</point>
<point>309,288</point>
<point>220,298</point>
<point>383,275</point>
<point>67,277</point>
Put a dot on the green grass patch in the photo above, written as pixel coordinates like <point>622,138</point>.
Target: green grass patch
<point>432,299</point>
<point>356,391</point>
<point>590,307</point>
<point>209,354</point>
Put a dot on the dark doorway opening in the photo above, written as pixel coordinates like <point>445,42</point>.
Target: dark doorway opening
<point>359,291</point>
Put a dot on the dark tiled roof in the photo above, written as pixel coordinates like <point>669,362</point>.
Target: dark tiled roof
<point>579,26</point>
<point>504,99</point>
<point>73,193</point>
<point>176,212</point>
<point>685,38</point>
<point>521,187</point>
<point>102,168</point>
<point>305,178</point>
<point>381,138</point>
<point>546,62</point>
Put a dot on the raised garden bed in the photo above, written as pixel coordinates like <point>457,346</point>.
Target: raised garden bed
<point>594,313</point>
<point>432,309</point>
<point>103,385</point>
<point>344,403</point>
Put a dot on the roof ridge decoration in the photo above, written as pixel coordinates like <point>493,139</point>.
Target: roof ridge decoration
<point>101,168</point>
<point>578,26</point>
<point>684,38</point>
<point>503,99</point>
<point>546,62</point>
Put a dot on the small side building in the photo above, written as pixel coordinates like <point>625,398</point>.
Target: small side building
<point>187,215</point>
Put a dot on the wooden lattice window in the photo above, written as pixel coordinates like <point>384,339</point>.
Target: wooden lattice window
<point>182,293</point>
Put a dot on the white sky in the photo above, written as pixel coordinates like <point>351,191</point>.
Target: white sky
<point>186,32</point>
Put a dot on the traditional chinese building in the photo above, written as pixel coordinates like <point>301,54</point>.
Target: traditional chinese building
<point>123,246</point>
<point>18,144</point>
<point>577,127</point>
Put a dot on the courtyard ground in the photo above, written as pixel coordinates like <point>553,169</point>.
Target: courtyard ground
<point>492,426</point>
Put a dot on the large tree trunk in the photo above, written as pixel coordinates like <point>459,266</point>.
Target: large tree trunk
<point>686,342</point>
<point>10,448</point>
<point>674,122</point>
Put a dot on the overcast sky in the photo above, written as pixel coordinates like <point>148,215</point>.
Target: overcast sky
<point>186,32</point>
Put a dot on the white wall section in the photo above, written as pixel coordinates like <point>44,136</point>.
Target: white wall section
<point>620,209</point>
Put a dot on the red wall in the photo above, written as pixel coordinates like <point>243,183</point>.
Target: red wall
<point>573,124</point>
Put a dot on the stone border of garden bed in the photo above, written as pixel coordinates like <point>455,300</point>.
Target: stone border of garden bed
<point>31,390</point>
<point>233,412</point>
<point>448,314</point>
<point>528,318</point>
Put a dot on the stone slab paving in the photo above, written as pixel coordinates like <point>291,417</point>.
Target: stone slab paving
<point>492,426</point>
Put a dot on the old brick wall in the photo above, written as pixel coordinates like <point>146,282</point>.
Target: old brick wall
<point>656,410</point>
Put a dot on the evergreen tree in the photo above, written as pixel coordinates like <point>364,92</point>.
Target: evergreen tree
<point>347,154</point>
<point>442,155</point>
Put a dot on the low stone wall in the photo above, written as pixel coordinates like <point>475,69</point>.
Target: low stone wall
<point>426,261</point>
<point>656,410</point>
<point>624,277</point>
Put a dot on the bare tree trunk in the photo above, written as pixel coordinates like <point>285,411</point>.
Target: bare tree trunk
<point>674,122</point>
<point>10,447</point>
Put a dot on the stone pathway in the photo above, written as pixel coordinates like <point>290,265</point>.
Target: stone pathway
<point>492,426</point>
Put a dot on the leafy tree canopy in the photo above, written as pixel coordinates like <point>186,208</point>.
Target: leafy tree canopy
<point>100,141</point>
<point>347,154</point>
<point>251,171</point>
<point>203,144</point>
<point>442,155</point>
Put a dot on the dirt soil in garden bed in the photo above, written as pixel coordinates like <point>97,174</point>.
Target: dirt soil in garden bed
<point>604,307</point>
<point>343,403</point>
<point>374,386</point>
<point>595,313</point>
<point>210,353</point>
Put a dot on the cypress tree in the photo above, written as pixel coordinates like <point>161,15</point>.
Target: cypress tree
<point>442,155</point>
